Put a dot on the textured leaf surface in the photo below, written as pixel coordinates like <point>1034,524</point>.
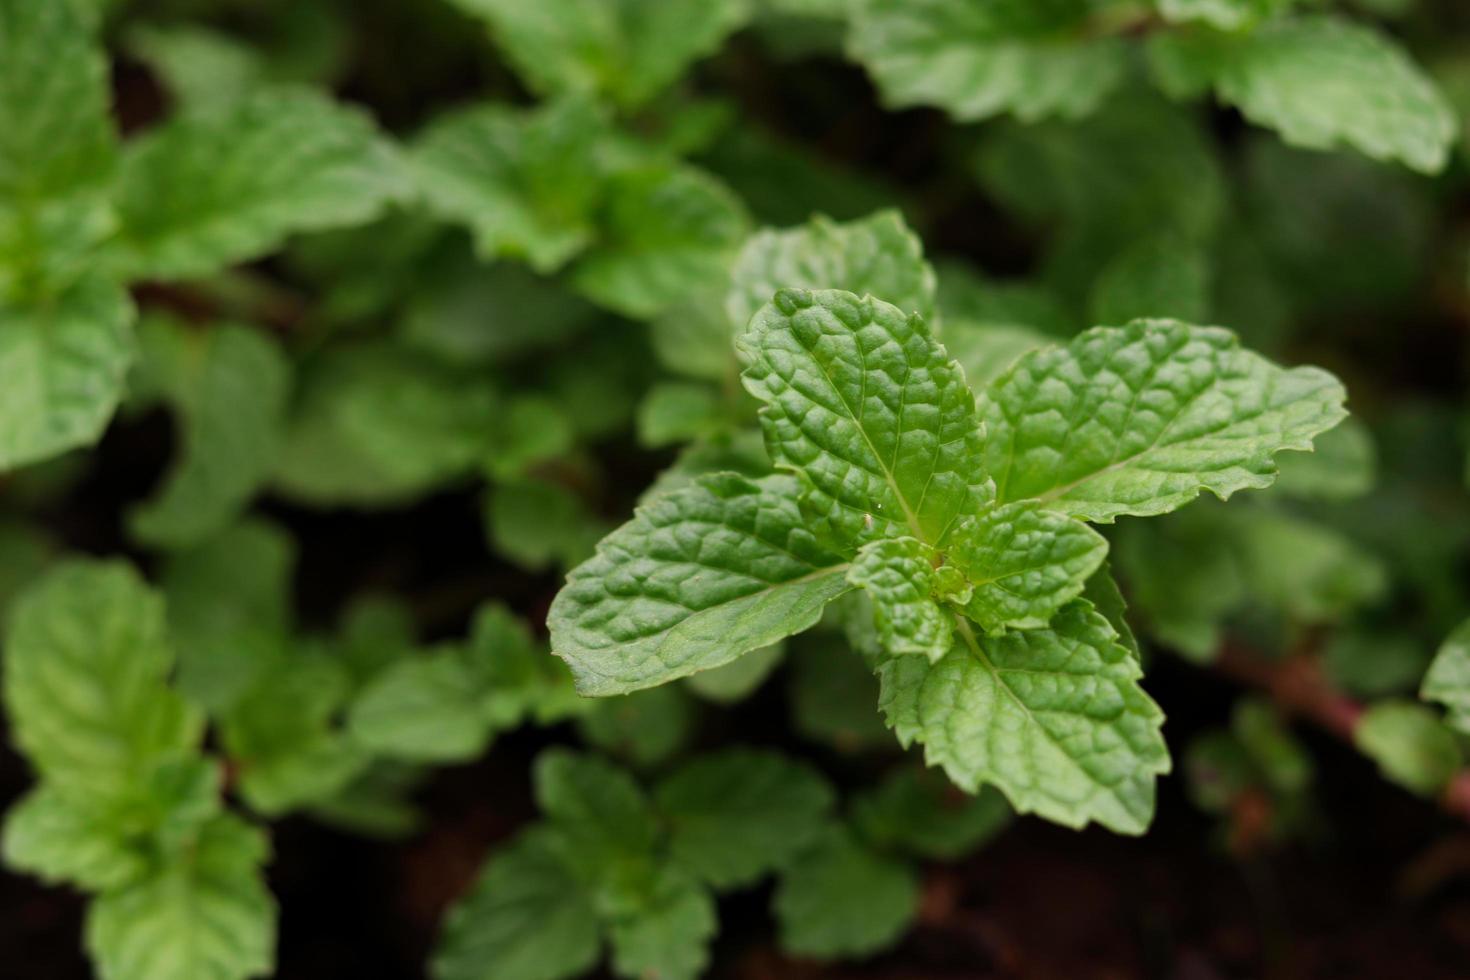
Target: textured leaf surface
<point>525,182</point>
<point>865,404</point>
<point>207,916</point>
<point>1322,82</point>
<point>86,657</point>
<point>878,256</point>
<point>627,49</point>
<point>740,814</point>
<point>842,899</point>
<point>668,232</point>
<point>1140,419</point>
<point>701,575</point>
<point>202,192</point>
<point>233,404</point>
<point>1023,563</point>
<point>1448,679</point>
<point>977,60</point>
<point>64,361</point>
<point>1053,718</point>
<point>526,918</point>
<point>900,577</point>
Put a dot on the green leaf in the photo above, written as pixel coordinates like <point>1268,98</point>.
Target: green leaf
<point>667,936</point>
<point>539,525</point>
<point>920,812</point>
<point>528,917</point>
<point>56,837</point>
<point>283,738</point>
<point>626,49</point>
<point>202,192</point>
<point>206,915</point>
<point>1227,15</point>
<point>600,811</point>
<point>86,657</point>
<point>378,425</point>
<point>1023,563</point>
<point>1411,746</point>
<point>233,405</point>
<point>903,579</point>
<point>1448,678</point>
<point>740,814</point>
<point>1053,718</point>
<point>102,843</point>
<point>674,412</point>
<point>525,182</point>
<point>66,358</point>
<point>1323,82</point>
<point>229,608</point>
<point>738,679</point>
<point>1138,420</point>
<point>865,404</point>
<point>985,352</point>
<point>701,575</point>
<point>668,232</point>
<point>834,696</point>
<point>204,70</point>
<point>56,132</point>
<point>644,728</point>
<point>1342,465</point>
<point>842,900</point>
<point>876,256</point>
<point>1160,276</point>
<point>980,60</point>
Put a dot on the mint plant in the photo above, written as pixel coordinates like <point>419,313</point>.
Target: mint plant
<point>515,491</point>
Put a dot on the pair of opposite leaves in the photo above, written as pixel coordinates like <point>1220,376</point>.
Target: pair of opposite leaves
<point>961,521</point>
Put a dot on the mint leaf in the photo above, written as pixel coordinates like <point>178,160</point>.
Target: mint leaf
<point>526,182</point>
<point>1227,15</point>
<point>233,405</point>
<point>539,525</point>
<point>738,679</point>
<point>668,934</point>
<point>1448,678</point>
<point>528,917</point>
<point>229,610</point>
<point>737,815</point>
<point>1160,276</point>
<point>86,657</point>
<point>203,915</point>
<point>1411,746</point>
<point>980,60</point>
<point>201,192</point>
<point>674,412</point>
<point>917,811</point>
<point>1138,420</point>
<point>203,69</point>
<point>600,811</point>
<point>701,575</point>
<point>1053,718</point>
<point>1023,563</point>
<point>865,404</point>
<point>668,231</point>
<point>1342,465</point>
<point>841,899</point>
<point>1323,82</point>
<point>57,837</point>
<point>56,132</point>
<point>66,358</point>
<point>628,50</point>
<point>902,577</point>
<point>644,728</point>
<point>876,256</point>
<point>376,424</point>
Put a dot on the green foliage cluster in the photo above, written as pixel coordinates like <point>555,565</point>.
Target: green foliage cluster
<point>902,489</point>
